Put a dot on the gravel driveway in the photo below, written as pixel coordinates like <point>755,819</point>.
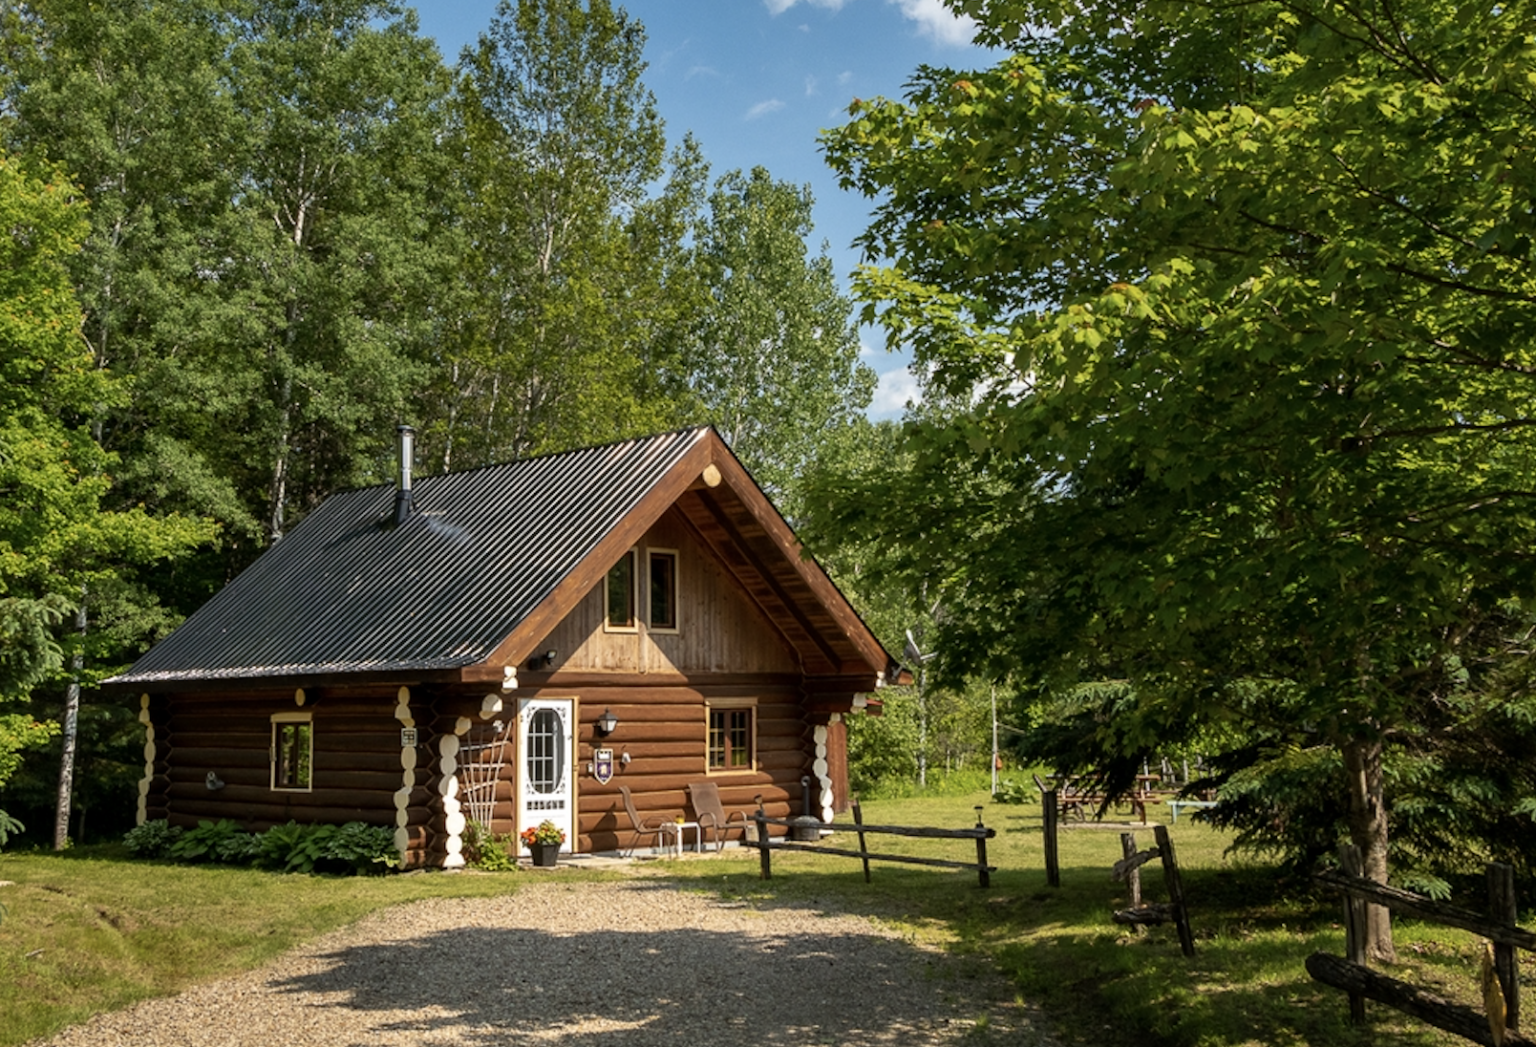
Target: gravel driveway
<point>629,964</point>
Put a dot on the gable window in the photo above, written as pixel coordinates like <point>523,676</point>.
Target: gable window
<point>663,589</point>
<point>732,735</point>
<point>620,596</point>
<point>293,751</point>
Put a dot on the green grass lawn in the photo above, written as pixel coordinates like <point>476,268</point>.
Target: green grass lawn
<point>89,931</point>
<point>1100,982</point>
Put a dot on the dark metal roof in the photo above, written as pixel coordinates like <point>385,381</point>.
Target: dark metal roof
<point>346,591</point>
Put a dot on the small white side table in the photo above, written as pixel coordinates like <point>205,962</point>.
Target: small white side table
<point>677,837</point>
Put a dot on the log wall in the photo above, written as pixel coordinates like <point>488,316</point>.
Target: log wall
<point>664,731</point>
<point>361,773</point>
<point>359,770</point>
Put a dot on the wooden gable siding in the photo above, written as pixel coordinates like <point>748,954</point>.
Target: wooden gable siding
<point>720,630</point>
<point>743,545</point>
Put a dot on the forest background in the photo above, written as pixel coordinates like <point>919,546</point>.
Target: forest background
<point>253,237</point>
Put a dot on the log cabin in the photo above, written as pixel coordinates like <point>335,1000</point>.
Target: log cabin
<point>512,644</point>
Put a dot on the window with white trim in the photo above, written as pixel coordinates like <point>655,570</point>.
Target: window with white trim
<point>661,580</point>
<point>732,743</point>
<point>620,594</point>
<point>293,751</point>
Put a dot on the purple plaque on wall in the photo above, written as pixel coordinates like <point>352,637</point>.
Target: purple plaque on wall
<point>602,765</point>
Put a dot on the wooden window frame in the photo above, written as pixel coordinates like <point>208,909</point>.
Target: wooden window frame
<point>279,722</point>
<point>677,587</point>
<point>633,556</point>
<point>727,706</point>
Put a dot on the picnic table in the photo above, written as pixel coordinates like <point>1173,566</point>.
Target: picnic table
<point>1075,794</point>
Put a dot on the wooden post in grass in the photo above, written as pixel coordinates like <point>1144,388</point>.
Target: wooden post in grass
<point>981,852</point>
<point>1354,925</point>
<point>1503,908</point>
<point>1132,878</point>
<point>765,870</point>
<point>1052,860</point>
<point>1175,890</point>
<point>858,819</point>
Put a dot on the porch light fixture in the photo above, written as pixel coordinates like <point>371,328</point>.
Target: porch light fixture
<point>607,722</point>
<point>543,661</point>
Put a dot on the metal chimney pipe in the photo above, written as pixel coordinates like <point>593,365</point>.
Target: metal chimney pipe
<point>403,493</point>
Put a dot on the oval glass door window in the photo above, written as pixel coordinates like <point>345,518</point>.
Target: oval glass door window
<point>546,754</point>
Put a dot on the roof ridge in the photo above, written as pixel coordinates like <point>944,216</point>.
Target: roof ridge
<point>536,457</point>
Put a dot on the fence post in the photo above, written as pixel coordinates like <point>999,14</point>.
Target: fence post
<point>1354,925</point>
<point>761,818</point>
<point>981,853</point>
<point>858,819</point>
<point>1052,861</point>
<point>1504,908</point>
<point>1175,889</point>
<point>1132,878</point>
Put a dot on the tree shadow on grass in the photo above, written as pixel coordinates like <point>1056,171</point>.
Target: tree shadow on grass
<point>1099,982</point>
<point>512,985</point>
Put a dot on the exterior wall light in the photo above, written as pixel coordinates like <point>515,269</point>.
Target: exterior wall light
<point>607,722</point>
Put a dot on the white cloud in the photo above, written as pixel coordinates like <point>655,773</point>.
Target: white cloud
<point>778,7</point>
<point>773,105</point>
<point>845,77</point>
<point>935,20</point>
<point>894,390</point>
<point>810,86</point>
<point>701,70</point>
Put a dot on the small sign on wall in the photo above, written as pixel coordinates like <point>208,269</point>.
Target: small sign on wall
<point>602,765</point>
<point>407,737</point>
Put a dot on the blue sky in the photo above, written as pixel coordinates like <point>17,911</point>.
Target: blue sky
<point>757,80</point>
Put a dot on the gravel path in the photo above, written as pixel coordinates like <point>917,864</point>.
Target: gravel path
<point>629,964</point>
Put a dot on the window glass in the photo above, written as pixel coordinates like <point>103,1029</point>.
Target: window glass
<point>292,754</point>
<point>545,753</point>
<point>621,592</point>
<point>663,590</point>
<point>730,739</point>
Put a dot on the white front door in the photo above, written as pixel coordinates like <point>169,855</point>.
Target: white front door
<point>546,772</point>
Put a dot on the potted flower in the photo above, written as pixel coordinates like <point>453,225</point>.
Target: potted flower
<point>543,842</point>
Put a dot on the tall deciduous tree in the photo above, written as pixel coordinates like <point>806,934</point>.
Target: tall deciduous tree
<point>56,538</point>
<point>265,181</point>
<point>131,100</point>
<point>574,279</point>
<point>257,266</point>
<point>776,361</point>
<point>330,240</point>
<point>1243,297</point>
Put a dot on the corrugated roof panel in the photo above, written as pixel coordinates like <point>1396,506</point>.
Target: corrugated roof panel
<point>346,591</point>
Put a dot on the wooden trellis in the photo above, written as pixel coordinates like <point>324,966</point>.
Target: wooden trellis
<point>481,758</point>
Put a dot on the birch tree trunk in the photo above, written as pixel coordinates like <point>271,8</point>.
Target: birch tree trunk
<point>71,724</point>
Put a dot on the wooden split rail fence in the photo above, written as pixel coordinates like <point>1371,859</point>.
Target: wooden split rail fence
<point>1129,870</point>
<point>1498,1026</point>
<point>981,834</point>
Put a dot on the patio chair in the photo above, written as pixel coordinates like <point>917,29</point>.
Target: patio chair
<point>663,829</point>
<point>711,813</point>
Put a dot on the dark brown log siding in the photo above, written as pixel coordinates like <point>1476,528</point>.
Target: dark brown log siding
<point>355,772</point>
<point>357,757</point>
<point>663,729</point>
